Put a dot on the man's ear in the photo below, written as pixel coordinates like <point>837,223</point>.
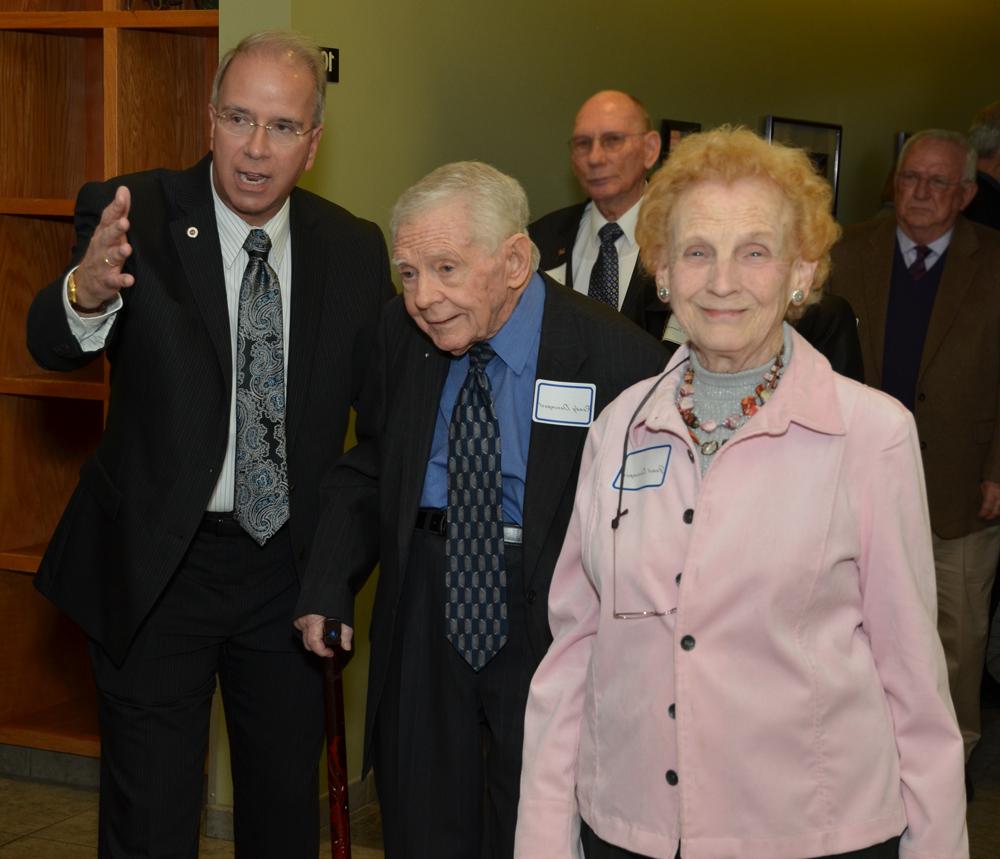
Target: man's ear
<point>651,145</point>
<point>518,260</point>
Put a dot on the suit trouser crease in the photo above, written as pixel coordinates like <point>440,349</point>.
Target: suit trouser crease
<point>442,730</point>
<point>226,612</point>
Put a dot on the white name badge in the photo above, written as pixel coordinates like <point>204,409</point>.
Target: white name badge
<point>567,404</point>
<point>644,469</point>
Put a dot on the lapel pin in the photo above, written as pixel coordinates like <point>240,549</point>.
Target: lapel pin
<point>192,232</point>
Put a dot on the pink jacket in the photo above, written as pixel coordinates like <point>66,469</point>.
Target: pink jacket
<point>793,701</point>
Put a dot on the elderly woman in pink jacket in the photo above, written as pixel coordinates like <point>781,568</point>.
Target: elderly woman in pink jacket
<point>745,661</point>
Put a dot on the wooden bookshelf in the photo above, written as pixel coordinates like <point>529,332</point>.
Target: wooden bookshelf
<point>88,90</point>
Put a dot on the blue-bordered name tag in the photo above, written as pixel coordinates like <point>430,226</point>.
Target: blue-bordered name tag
<point>568,404</point>
<point>644,469</point>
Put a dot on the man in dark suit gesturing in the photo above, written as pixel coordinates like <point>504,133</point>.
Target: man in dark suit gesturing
<point>461,485</point>
<point>214,292</point>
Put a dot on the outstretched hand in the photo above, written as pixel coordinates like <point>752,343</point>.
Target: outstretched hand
<point>99,277</point>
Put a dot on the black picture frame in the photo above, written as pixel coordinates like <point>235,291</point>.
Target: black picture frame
<point>671,131</point>
<point>821,141</point>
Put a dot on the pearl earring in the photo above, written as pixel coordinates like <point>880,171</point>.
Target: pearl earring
<point>663,293</point>
<point>798,296</point>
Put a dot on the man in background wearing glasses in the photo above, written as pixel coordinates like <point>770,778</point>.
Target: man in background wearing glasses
<point>591,246</point>
<point>926,288</point>
<point>214,292</point>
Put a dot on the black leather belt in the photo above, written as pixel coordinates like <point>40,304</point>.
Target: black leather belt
<point>436,521</point>
<point>222,524</point>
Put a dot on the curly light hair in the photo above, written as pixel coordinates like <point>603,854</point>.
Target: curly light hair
<point>728,154</point>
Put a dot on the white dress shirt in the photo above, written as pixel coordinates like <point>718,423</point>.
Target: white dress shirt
<point>92,331</point>
<point>908,248</point>
<point>588,244</point>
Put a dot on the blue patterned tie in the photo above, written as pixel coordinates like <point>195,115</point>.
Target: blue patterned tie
<point>604,274</point>
<point>261,504</point>
<point>476,603</point>
<point>919,267</point>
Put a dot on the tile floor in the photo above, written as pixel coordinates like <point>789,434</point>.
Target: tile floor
<point>43,821</point>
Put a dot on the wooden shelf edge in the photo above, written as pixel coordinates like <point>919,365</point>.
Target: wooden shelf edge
<point>70,727</point>
<point>36,206</point>
<point>45,386</point>
<point>22,559</point>
<point>187,19</point>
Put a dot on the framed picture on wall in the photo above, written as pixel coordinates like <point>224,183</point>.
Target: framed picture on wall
<point>671,132</point>
<point>820,140</point>
<point>901,138</point>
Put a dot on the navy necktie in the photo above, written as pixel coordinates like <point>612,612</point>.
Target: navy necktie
<point>261,497</point>
<point>476,578</point>
<point>919,267</point>
<point>604,274</point>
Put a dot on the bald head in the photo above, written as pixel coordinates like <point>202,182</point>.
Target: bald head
<point>612,149</point>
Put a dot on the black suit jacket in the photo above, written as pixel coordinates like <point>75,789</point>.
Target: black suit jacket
<point>555,234</point>
<point>373,495</point>
<point>142,495</point>
<point>985,206</point>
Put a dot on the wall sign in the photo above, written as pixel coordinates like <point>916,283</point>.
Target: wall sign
<point>331,57</point>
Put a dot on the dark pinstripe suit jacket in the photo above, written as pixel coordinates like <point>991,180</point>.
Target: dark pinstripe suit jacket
<point>555,235</point>
<point>142,495</point>
<point>374,493</point>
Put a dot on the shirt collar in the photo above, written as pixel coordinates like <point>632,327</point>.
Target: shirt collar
<point>515,340</point>
<point>627,222</point>
<point>233,230</point>
<point>937,247</point>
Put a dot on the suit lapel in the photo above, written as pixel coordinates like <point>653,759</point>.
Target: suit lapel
<point>956,278</point>
<point>195,234</point>
<point>553,450</point>
<point>420,403</point>
<point>876,273</point>
<point>310,276</point>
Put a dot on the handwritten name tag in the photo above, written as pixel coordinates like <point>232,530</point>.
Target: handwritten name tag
<point>568,404</point>
<point>644,469</point>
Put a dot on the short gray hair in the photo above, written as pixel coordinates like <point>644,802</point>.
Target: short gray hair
<point>954,137</point>
<point>279,43</point>
<point>496,204</point>
<point>984,133</point>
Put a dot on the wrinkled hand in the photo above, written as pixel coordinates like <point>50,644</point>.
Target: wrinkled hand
<point>991,500</point>
<point>311,627</point>
<point>99,277</point>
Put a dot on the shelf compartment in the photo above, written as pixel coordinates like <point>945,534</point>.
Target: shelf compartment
<point>47,696</point>
<point>83,384</point>
<point>51,82</point>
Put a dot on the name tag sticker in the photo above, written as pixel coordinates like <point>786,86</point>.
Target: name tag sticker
<point>644,469</point>
<point>567,404</point>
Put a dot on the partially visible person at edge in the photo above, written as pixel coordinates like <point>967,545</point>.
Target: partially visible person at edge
<point>745,661</point>
<point>212,291</point>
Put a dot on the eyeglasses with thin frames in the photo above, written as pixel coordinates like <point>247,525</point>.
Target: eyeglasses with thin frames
<point>937,184</point>
<point>240,125</point>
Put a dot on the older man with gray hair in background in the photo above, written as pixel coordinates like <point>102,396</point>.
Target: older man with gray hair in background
<point>486,378</point>
<point>984,135</point>
<point>926,288</point>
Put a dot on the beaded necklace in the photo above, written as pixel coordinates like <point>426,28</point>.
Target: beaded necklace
<point>748,406</point>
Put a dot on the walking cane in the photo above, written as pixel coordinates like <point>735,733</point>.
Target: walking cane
<point>336,749</point>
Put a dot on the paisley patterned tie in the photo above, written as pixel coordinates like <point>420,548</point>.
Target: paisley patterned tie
<point>261,504</point>
<point>604,274</point>
<point>476,580</point>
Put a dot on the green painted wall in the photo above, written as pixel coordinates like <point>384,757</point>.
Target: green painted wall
<point>440,80</point>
